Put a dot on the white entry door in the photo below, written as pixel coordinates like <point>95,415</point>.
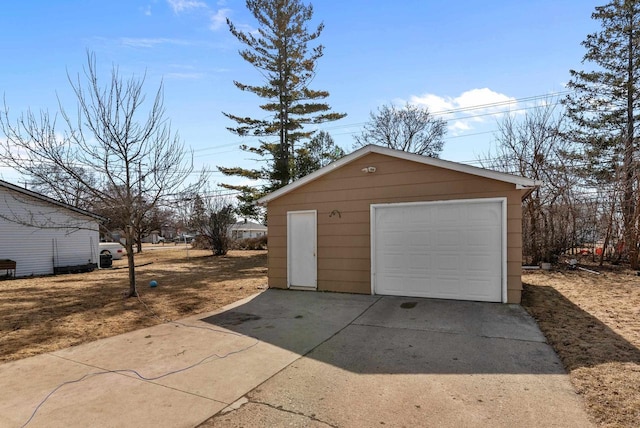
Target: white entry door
<point>301,249</point>
<point>446,250</point>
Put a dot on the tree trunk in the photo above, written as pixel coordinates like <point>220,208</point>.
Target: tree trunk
<point>133,291</point>
<point>629,207</point>
<point>607,236</point>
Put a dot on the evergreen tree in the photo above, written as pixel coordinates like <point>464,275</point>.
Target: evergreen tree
<point>281,52</point>
<point>605,105</point>
<point>316,153</point>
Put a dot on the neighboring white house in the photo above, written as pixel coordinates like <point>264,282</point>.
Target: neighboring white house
<point>153,237</point>
<point>247,229</point>
<point>40,233</point>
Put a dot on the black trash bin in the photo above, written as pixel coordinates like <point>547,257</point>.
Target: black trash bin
<point>106,260</point>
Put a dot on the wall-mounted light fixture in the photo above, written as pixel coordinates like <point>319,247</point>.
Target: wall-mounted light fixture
<point>369,169</point>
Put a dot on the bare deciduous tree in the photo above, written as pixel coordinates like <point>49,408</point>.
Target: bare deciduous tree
<point>129,148</point>
<point>410,128</point>
<point>212,217</point>
<point>534,146</point>
<point>65,188</point>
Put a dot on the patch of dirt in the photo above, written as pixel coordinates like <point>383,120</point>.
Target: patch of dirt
<point>43,314</point>
<point>593,323</point>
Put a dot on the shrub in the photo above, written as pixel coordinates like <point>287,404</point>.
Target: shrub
<point>201,243</point>
<point>259,243</point>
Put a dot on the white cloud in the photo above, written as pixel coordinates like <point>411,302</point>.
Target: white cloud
<point>184,76</point>
<point>151,42</point>
<point>459,125</point>
<point>475,105</point>
<point>219,19</point>
<point>434,102</point>
<point>483,100</point>
<point>183,5</point>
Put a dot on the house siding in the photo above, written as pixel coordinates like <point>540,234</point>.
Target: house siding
<point>245,230</point>
<point>343,198</point>
<point>40,236</point>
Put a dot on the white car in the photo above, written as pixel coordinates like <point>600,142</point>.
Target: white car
<point>114,248</point>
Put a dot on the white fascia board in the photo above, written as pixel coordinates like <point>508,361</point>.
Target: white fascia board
<point>440,163</point>
<point>49,200</point>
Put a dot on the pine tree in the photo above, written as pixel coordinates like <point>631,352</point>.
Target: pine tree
<point>281,52</point>
<point>605,105</point>
<point>316,153</point>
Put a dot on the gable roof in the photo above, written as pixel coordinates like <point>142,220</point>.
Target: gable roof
<point>49,200</point>
<point>248,225</point>
<point>520,182</point>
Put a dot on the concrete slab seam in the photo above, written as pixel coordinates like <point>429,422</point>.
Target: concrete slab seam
<point>302,356</point>
<point>282,409</point>
<point>375,302</point>
<point>235,405</point>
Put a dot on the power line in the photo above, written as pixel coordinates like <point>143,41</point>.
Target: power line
<point>474,107</point>
<point>436,113</point>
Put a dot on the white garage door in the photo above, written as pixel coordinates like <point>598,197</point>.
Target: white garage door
<point>445,250</point>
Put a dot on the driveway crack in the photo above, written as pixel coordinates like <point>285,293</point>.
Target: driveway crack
<point>282,409</point>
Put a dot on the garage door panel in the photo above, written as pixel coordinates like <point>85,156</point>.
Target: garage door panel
<point>393,261</point>
<point>445,214</point>
<point>416,264</point>
<point>445,263</point>
<point>394,238</point>
<point>443,288</point>
<point>420,239</point>
<point>477,289</point>
<point>479,263</point>
<point>448,238</point>
<point>486,213</point>
<point>484,237</point>
<point>450,250</point>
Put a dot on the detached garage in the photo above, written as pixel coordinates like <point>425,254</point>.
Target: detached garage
<point>387,222</point>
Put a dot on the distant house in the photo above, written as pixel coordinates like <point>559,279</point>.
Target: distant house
<point>153,237</point>
<point>118,235</point>
<point>43,235</point>
<point>247,229</point>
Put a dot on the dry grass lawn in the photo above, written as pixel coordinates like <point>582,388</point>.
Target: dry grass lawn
<point>44,314</point>
<point>593,323</point>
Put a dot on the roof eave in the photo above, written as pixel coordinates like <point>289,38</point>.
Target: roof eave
<point>527,190</point>
<point>441,163</point>
<point>49,200</point>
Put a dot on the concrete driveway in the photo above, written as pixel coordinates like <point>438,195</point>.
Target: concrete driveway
<point>287,358</point>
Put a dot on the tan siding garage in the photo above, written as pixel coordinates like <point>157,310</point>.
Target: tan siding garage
<point>345,197</point>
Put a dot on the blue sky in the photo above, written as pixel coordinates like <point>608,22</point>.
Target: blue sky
<point>441,54</point>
